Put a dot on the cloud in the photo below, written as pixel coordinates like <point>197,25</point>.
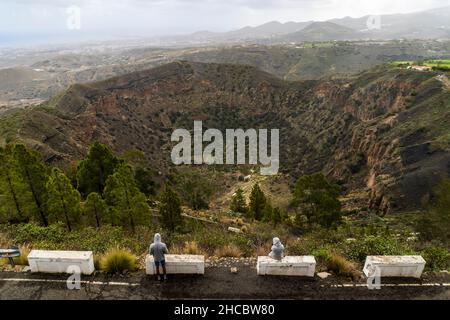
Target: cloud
<point>159,17</point>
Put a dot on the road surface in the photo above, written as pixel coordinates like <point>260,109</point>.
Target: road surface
<point>217,283</point>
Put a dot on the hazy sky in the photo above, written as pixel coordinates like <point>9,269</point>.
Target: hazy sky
<point>22,19</point>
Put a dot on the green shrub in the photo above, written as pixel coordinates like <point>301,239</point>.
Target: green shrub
<point>97,262</point>
<point>244,244</point>
<point>54,237</point>
<point>118,261</point>
<point>212,240</point>
<point>97,240</point>
<point>27,233</point>
<point>375,245</point>
<point>322,255</point>
<point>303,246</point>
<point>318,199</point>
<point>437,258</point>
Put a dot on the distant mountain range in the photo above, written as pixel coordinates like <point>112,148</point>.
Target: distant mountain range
<point>430,24</point>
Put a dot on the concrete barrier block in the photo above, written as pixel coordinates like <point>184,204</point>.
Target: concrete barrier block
<point>178,264</point>
<point>395,266</point>
<point>48,261</point>
<point>301,266</point>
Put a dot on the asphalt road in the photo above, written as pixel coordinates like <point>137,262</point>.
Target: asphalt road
<point>217,283</point>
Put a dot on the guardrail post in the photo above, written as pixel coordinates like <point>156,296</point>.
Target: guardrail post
<point>11,261</point>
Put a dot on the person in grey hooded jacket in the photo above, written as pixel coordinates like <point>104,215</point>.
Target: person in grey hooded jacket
<point>277,252</point>
<point>158,250</point>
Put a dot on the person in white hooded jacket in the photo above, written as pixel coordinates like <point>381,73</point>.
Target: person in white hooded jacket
<point>158,250</point>
<point>277,252</point>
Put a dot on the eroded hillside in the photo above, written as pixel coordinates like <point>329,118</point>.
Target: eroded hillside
<point>385,131</point>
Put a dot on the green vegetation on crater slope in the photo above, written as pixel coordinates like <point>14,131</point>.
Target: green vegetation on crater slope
<point>377,130</point>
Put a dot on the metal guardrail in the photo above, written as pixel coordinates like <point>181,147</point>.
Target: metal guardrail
<point>10,254</point>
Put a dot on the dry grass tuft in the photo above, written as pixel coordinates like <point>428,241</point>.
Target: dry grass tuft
<point>4,243</point>
<point>239,222</point>
<point>229,250</point>
<point>118,261</point>
<point>192,247</point>
<point>98,261</point>
<point>176,249</point>
<point>23,259</point>
<point>264,250</point>
<point>189,247</point>
<point>341,266</point>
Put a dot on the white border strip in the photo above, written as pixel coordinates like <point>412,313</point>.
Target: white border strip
<point>131,284</point>
<point>100,283</point>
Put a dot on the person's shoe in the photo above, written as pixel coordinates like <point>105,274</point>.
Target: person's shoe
<point>165,278</point>
<point>159,278</point>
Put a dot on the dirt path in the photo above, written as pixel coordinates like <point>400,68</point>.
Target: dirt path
<point>218,283</point>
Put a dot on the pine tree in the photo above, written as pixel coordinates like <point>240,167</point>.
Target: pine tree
<point>96,210</point>
<point>268,211</point>
<point>34,175</point>
<point>128,203</point>
<point>95,169</point>
<point>170,209</point>
<point>145,182</point>
<point>143,174</point>
<point>257,203</point>
<point>238,203</point>
<point>278,216</point>
<point>15,198</point>
<point>63,199</point>
<point>317,199</point>
<point>195,190</point>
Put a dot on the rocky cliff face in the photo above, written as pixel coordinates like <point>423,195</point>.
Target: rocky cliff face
<point>384,131</point>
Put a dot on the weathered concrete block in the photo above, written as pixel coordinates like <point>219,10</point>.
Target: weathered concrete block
<point>59,261</point>
<point>178,264</point>
<point>395,266</point>
<point>303,266</point>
